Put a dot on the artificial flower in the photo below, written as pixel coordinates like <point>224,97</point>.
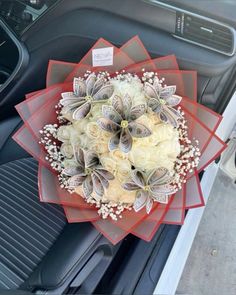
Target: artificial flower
<point>89,173</point>
<point>155,188</point>
<point>85,93</point>
<point>162,100</point>
<point>120,119</point>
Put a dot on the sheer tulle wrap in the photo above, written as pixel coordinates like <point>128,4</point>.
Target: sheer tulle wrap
<point>39,109</point>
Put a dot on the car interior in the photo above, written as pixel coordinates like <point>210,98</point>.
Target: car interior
<point>39,251</point>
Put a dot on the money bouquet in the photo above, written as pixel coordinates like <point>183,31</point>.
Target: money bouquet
<point>120,139</point>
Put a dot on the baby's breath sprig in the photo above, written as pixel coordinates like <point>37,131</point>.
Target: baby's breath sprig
<point>189,156</point>
<point>48,140</point>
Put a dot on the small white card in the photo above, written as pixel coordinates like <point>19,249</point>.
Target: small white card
<point>103,56</point>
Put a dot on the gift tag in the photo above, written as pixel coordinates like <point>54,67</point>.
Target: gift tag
<point>103,56</point>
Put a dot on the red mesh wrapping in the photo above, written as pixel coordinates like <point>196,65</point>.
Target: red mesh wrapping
<point>135,49</point>
<point>194,197</point>
<point>213,150</point>
<point>157,64</point>
<point>81,215</point>
<point>120,60</point>
<point>51,192</point>
<point>58,71</point>
<point>208,117</point>
<point>39,109</point>
<point>146,230</point>
<point>29,95</point>
<point>148,227</point>
<point>113,233</point>
<point>185,81</point>
<point>176,212</point>
<point>28,142</point>
<point>37,100</point>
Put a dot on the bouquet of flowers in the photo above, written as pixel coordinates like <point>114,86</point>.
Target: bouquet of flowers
<point>120,139</point>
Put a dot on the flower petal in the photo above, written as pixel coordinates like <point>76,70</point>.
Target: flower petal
<point>137,111</point>
<point>163,199</point>
<point>149,205</point>
<point>110,113</point>
<point>68,97</point>
<point>155,105</point>
<point>173,100</point>
<point>139,130</point>
<point>87,186</point>
<point>90,159</point>
<point>138,178</point>
<point>104,93</point>
<point>125,141</point>
<point>114,141</point>
<point>174,112</point>
<point>104,173</point>
<point>117,104</point>
<point>140,201</point>
<point>98,85</point>
<point>72,171</point>
<point>82,111</point>
<point>163,116</point>
<point>71,105</point>
<point>167,116</point>
<point>90,81</point>
<point>104,181</point>
<point>71,102</point>
<point>150,90</point>
<point>166,189</point>
<point>159,176</point>
<point>79,87</point>
<point>130,186</point>
<point>108,125</point>
<point>79,155</point>
<point>97,186</point>
<point>167,91</point>
<point>76,181</point>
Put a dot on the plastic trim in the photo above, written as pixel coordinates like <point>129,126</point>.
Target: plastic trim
<point>161,4</point>
<point>22,62</point>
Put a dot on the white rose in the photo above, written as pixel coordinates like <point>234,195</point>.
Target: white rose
<point>67,163</point>
<point>67,150</point>
<point>116,193</point>
<point>123,170</point>
<point>146,121</point>
<point>93,131</point>
<point>154,118</point>
<point>143,157</point>
<point>101,147</point>
<point>170,148</point>
<point>166,163</point>
<point>118,155</point>
<point>63,133</point>
<point>133,88</point>
<point>108,163</point>
<point>163,132</point>
<point>80,125</point>
<point>84,141</point>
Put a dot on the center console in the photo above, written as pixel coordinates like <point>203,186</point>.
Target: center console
<point>16,17</point>
<point>20,14</point>
<point>13,58</point>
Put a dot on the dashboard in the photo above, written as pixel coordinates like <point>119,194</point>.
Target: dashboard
<point>20,14</point>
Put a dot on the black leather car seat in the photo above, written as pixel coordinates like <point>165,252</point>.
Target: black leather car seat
<point>38,249</point>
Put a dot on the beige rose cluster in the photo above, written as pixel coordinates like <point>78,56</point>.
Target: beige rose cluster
<point>158,150</point>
